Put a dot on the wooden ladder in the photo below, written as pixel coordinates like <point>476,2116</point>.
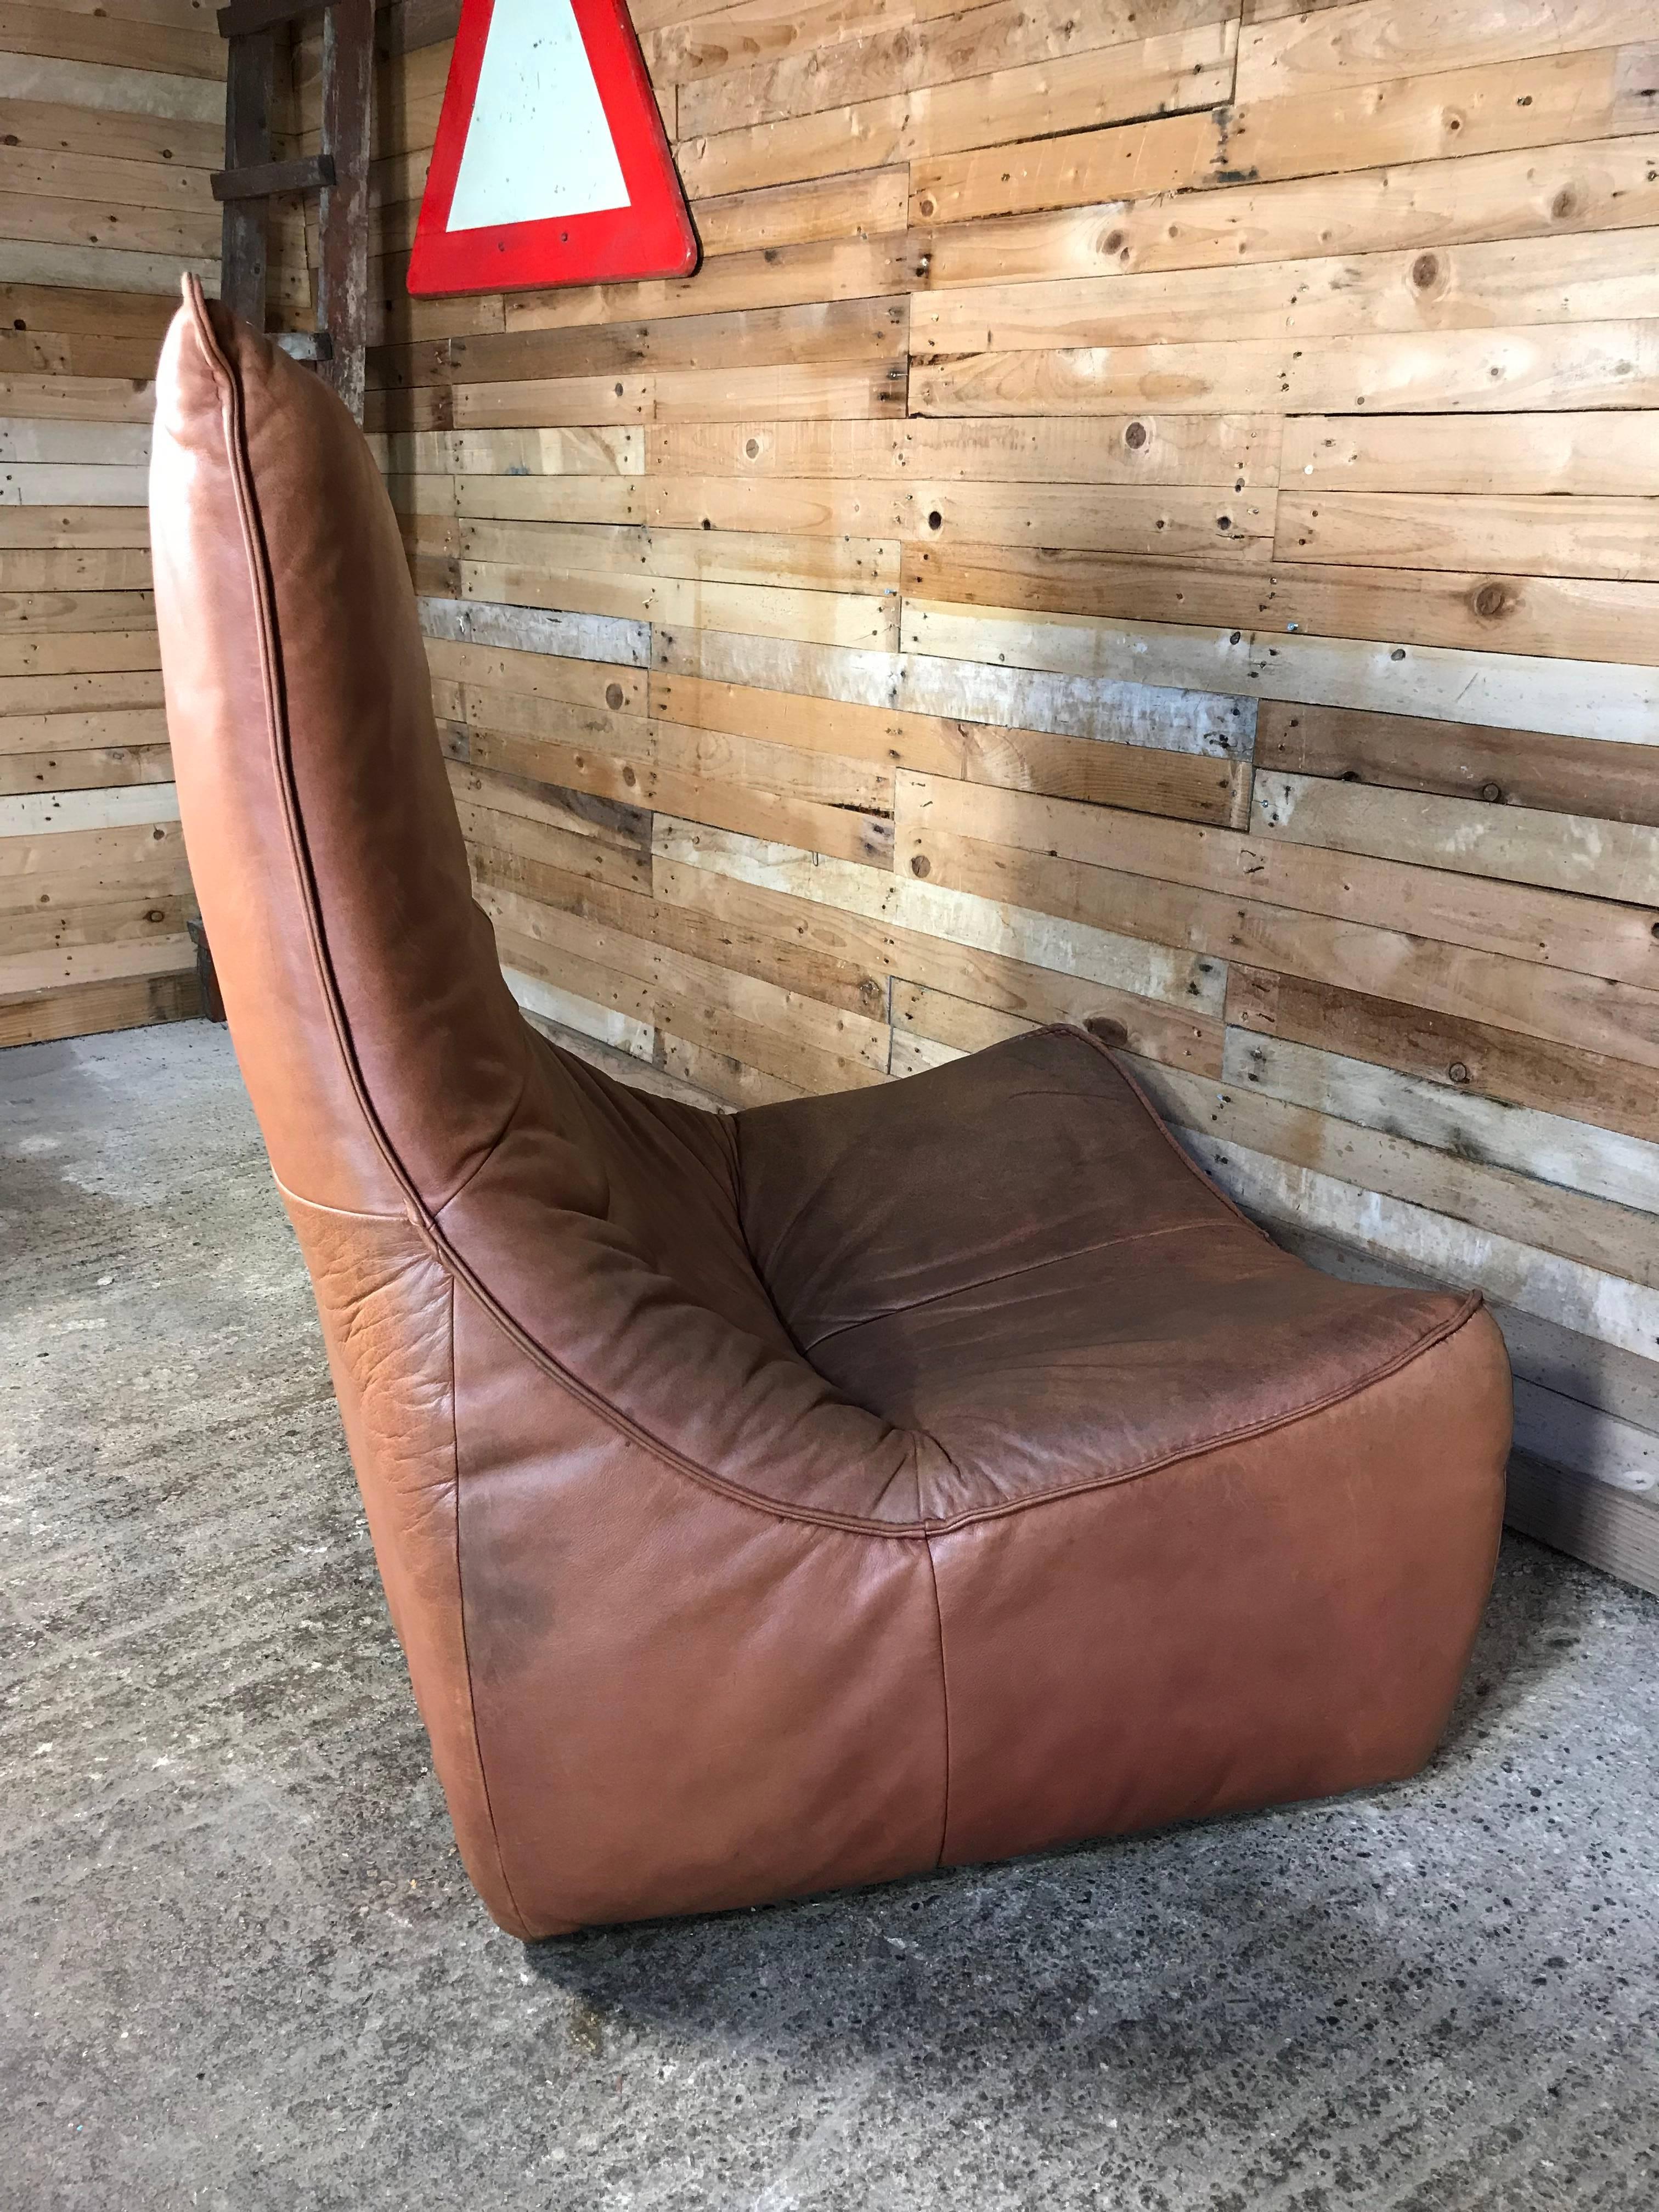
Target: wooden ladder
<point>339,173</point>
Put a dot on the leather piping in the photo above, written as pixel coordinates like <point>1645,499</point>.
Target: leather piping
<point>431,1234</point>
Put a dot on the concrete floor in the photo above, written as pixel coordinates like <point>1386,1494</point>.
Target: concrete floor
<point>242,1968</point>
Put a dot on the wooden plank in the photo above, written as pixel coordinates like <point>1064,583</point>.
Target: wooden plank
<point>704,782</point>
<point>680,45</point>
<point>76,732</point>
<point>1447,1117</point>
<point>1541,101</point>
<point>77,399</point>
<point>100,88</point>
<point>85,769</point>
<point>89,1009</point>
<point>763,1037</point>
<point>836,618</point>
<point>1598,700</point>
<point>1540,536</point>
<point>483,671</point>
<point>166,145</point>
<point>1170,154</point>
<point>863,204</point>
<point>877,949</point>
<point>1617,1020</point>
<point>568,941</point>
<point>1515,768</point>
<point>1614,1528</point>
<point>1566,1292</point>
<point>501,521</point>
<point>250,98</point>
<point>56,483</point>
<point>1443,1044</point>
<point>1121,711</point>
<point>780,392</point>
<point>1000,36</point>
<point>1136,966</point>
<point>1507,284</point>
<point>1219,526</point>
<point>786,951</point>
<point>30,526</point>
<point>1409,206</point>
<point>818,271</point>
<point>1370,39</point>
<point>1490,456</point>
<point>109,41</point>
<point>1569,618</point>
<point>25,657</point>
<point>1185,69</point>
<point>837,332</point>
<point>101,176</point>
<point>1565,851</point>
<point>1590,936</point>
<point>1192,785</point>
<point>606,1024</point>
<point>1568,366</point>
<point>1237,451</point>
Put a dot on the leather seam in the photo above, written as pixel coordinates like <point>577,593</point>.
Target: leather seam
<point>421,1216</point>
<point>1008,1275</point>
<point>1164,1130</point>
<point>944,1707</point>
<point>523,1929</point>
<point>1465,1314</point>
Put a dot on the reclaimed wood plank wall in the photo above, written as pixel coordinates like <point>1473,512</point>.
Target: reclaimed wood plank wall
<point>1148,510</point>
<point>112,117</point>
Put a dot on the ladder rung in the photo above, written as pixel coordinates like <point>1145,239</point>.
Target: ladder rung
<point>243,17</point>
<point>261,179</point>
<point>304,345</point>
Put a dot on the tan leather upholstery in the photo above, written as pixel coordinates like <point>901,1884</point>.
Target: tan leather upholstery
<point>789,1499</point>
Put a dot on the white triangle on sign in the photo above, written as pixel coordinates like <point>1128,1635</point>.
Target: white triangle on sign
<point>538,143</point>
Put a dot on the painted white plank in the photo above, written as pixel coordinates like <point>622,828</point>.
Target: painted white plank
<point>59,483</point>
<point>39,813</point>
<point>104,87</point>
<point>536,629</point>
<point>31,441</point>
<point>1167,719</point>
<point>1565,698</point>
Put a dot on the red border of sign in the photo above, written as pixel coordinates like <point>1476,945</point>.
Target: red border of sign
<point>650,237</point>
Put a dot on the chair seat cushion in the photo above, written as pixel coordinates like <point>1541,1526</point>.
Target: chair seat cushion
<point>1011,1256</point>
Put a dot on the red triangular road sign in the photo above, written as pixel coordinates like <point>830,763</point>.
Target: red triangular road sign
<point>550,165</point>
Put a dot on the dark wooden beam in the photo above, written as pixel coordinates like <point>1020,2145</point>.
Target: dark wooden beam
<point>343,228</point>
<point>405,25</point>
<point>244,17</point>
<point>249,84</point>
<point>266,178</point>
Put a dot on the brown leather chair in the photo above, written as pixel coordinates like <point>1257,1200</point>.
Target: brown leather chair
<point>805,1497</point>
